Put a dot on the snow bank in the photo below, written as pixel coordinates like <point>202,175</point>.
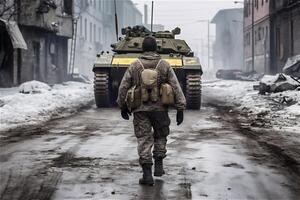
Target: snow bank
<point>277,110</point>
<point>39,103</point>
<point>32,87</point>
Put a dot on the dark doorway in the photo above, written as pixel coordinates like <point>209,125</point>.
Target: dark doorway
<point>36,61</point>
<point>6,59</point>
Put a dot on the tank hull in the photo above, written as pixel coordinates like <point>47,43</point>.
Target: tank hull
<point>106,91</point>
<point>109,69</point>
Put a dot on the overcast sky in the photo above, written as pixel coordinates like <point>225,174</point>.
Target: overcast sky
<point>185,14</point>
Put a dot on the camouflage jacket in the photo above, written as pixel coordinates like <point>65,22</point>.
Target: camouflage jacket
<point>166,75</point>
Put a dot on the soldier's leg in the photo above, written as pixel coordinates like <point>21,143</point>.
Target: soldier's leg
<point>160,122</point>
<point>143,132</point>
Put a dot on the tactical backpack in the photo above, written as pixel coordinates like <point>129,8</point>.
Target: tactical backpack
<point>149,83</point>
<point>149,89</point>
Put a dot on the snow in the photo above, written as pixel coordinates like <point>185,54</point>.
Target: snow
<point>34,87</point>
<point>271,108</point>
<point>268,79</point>
<point>39,102</point>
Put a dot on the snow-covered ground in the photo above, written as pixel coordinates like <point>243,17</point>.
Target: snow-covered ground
<point>34,102</point>
<point>262,110</point>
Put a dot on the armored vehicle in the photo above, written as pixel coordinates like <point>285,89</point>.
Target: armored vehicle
<point>110,68</point>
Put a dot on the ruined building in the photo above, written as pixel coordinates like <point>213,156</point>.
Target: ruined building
<point>96,29</point>
<point>45,26</point>
<point>276,35</point>
<point>228,47</point>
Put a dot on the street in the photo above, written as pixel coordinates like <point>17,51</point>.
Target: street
<point>92,155</point>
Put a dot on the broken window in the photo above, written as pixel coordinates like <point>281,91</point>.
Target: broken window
<point>278,41</point>
<point>68,7</point>
<point>85,29</point>
<point>91,32</point>
<point>45,6</point>
<point>292,37</point>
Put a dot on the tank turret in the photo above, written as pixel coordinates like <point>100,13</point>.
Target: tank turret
<point>166,42</point>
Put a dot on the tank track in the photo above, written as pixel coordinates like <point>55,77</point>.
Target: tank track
<point>193,91</point>
<point>101,89</point>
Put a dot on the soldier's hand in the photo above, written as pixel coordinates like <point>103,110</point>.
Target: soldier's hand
<point>125,113</point>
<point>179,117</point>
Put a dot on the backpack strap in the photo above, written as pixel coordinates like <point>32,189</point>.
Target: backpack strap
<point>141,64</point>
<point>158,63</point>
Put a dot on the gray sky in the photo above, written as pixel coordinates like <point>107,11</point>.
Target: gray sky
<point>185,14</point>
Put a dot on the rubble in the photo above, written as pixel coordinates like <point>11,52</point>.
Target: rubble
<point>280,111</point>
<point>292,66</point>
<point>278,83</point>
<point>234,74</point>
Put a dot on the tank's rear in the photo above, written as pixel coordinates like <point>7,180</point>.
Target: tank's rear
<point>109,69</point>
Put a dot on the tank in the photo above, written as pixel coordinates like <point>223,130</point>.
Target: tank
<point>110,68</point>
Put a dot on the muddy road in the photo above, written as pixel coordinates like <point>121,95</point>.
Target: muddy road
<point>93,155</point>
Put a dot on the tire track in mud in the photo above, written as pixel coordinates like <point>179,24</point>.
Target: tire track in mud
<point>271,140</point>
<point>41,182</point>
<point>39,185</point>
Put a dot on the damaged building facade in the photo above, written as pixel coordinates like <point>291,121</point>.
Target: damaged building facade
<point>229,35</point>
<point>96,29</point>
<point>46,26</point>
<point>276,37</point>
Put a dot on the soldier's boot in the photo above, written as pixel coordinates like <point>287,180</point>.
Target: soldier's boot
<point>158,167</point>
<point>147,175</point>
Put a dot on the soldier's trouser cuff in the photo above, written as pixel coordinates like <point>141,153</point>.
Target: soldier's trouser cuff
<point>160,147</point>
<point>145,161</point>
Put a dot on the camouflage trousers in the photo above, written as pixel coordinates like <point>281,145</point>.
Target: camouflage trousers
<point>143,124</point>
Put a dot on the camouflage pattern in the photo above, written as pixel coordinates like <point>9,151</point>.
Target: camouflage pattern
<point>143,123</point>
<point>166,75</point>
<point>151,114</point>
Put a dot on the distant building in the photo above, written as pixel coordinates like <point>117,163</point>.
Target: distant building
<point>228,46</point>
<point>276,34</point>
<point>96,28</point>
<point>46,27</point>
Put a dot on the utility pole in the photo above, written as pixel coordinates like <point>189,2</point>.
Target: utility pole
<point>208,43</point>
<point>208,40</point>
<point>152,16</point>
<point>253,38</point>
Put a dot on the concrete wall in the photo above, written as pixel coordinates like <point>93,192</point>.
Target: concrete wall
<point>286,35</point>
<point>261,35</point>
<point>277,34</point>
<point>53,18</point>
<point>96,28</point>
<point>261,47</point>
<point>261,10</point>
<point>46,57</point>
<point>94,32</point>
<point>228,47</point>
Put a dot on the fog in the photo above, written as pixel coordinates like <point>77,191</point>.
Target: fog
<point>185,14</point>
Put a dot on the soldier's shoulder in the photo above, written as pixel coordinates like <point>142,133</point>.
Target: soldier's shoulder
<point>164,64</point>
<point>135,64</point>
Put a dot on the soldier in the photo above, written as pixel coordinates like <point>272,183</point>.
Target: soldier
<point>150,112</point>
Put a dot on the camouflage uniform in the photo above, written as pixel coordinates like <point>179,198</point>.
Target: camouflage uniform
<point>151,114</point>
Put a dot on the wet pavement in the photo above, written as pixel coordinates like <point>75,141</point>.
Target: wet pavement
<point>92,155</point>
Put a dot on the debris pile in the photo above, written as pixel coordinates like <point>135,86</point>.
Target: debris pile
<point>234,74</point>
<point>292,66</point>
<point>277,83</point>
